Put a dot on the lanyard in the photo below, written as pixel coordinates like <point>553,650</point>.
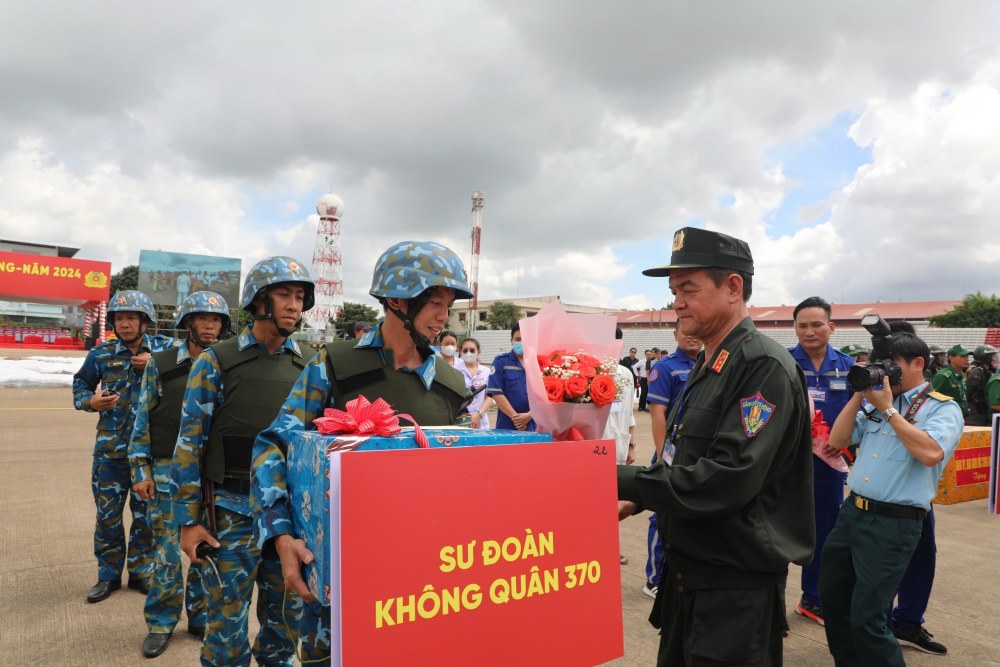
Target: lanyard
<point>918,402</point>
<point>678,412</point>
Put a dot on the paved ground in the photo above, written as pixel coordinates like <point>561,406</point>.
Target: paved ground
<point>47,564</point>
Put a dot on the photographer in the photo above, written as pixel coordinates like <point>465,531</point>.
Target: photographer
<point>906,432</point>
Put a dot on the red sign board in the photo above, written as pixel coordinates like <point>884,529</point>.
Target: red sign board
<point>972,466</point>
<point>497,555</point>
<point>59,280</point>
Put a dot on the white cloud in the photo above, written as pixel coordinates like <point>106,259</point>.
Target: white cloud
<point>587,126</point>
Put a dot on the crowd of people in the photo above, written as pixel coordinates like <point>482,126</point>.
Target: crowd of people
<point>194,432</point>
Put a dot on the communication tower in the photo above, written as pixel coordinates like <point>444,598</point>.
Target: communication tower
<point>327,270</point>
<point>478,202</point>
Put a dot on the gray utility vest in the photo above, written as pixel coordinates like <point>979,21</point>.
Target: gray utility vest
<point>360,371</point>
<point>165,418</point>
<point>256,385</point>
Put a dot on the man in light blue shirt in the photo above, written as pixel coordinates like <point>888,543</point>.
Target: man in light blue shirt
<point>906,433</point>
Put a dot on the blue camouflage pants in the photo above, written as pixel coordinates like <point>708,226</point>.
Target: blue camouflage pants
<point>315,631</point>
<point>111,483</point>
<point>229,590</point>
<point>166,587</point>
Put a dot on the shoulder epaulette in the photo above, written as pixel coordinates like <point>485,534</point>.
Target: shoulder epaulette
<point>939,396</point>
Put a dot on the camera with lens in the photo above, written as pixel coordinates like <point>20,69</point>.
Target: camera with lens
<point>880,365</point>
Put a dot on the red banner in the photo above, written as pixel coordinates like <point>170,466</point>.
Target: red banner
<point>501,555</point>
<point>58,280</point>
<point>972,466</point>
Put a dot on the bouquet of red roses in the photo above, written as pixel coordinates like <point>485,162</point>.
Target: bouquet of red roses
<point>821,438</point>
<point>570,392</point>
<point>578,378</point>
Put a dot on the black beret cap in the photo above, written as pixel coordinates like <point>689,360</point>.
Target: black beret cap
<point>700,248</point>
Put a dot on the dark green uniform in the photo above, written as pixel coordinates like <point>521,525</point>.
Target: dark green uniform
<point>950,382</point>
<point>975,383</point>
<point>993,395</point>
<point>735,507</point>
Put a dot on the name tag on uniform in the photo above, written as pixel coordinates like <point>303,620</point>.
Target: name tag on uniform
<point>616,406</point>
<point>668,452</point>
<point>115,365</point>
<point>817,394</point>
<point>838,385</point>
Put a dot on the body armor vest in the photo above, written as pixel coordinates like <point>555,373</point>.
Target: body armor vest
<point>355,371</point>
<point>256,385</point>
<point>165,418</point>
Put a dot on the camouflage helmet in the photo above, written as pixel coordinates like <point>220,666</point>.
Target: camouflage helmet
<point>132,301</point>
<point>203,302</point>
<point>409,268</point>
<point>983,354</point>
<point>273,271</point>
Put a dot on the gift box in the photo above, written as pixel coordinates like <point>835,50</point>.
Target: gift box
<point>308,479</point>
<point>967,475</point>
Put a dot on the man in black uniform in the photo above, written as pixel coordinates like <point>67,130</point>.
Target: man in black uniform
<point>983,366</point>
<point>736,506</point>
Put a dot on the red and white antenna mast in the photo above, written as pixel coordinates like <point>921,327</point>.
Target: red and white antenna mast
<point>478,202</point>
<point>327,270</point>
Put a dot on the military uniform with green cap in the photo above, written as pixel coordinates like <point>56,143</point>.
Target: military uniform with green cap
<point>735,504</point>
<point>949,380</point>
<point>856,352</point>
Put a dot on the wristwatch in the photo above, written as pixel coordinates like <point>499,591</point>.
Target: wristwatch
<point>889,412</point>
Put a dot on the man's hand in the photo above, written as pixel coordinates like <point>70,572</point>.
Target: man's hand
<point>475,419</point>
<point>192,536</point>
<point>102,403</point>
<point>139,361</point>
<point>880,398</point>
<point>145,490</point>
<point>521,420</point>
<point>294,554</point>
<point>626,508</point>
<point>630,459</point>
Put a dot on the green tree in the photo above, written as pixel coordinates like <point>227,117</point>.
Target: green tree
<point>351,314</point>
<point>127,278</point>
<point>976,310</point>
<point>503,315</point>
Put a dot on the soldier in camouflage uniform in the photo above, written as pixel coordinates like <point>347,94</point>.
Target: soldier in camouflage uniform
<point>205,316</point>
<point>950,380</point>
<point>234,391</point>
<point>416,282</point>
<point>983,366</point>
<point>117,366</point>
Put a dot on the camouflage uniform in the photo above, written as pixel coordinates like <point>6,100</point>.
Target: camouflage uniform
<point>166,587</point>
<point>975,380</point>
<point>405,270</point>
<point>238,559</point>
<point>109,365</point>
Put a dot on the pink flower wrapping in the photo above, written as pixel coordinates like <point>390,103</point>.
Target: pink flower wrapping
<point>553,329</point>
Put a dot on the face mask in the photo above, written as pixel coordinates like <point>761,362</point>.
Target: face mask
<point>518,349</point>
<point>448,350</point>
<point>469,357</point>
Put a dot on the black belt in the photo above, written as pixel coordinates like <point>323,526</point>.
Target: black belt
<point>889,509</point>
<point>240,485</point>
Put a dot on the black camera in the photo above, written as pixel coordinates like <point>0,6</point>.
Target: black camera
<point>880,365</point>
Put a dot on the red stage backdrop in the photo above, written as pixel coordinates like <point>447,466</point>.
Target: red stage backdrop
<point>502,555</point>
<point>60,280</point>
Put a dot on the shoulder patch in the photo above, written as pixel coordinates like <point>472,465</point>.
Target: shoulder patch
<point>653,374</point>
<point>493,369</point>
<point>756,411</point>
<point>939,396</point>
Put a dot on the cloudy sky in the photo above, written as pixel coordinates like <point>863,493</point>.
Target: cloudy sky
<point>855,145</point>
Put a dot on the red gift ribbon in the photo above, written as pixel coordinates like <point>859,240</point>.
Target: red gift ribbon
<point>366,419</point>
